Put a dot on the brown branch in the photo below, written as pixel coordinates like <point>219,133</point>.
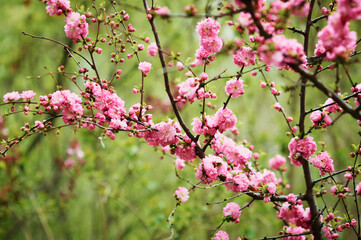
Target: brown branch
<point>199,151</point>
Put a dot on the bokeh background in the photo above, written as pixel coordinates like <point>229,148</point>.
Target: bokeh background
<point>122,189</point>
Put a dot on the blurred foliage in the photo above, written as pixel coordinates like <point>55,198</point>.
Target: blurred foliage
<point>124,189</point>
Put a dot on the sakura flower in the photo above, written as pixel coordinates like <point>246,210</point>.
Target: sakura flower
<point>57,7</point>
<point>323,162</point>
<point>179,163</point>
<point>221,235</point>
<point>305,147</point>
<point>232,211</point>
<point>319,118</point>
<point>208,28</point>
<point>234,87</point>
<point>244,57</point>
<point>152,49</point>
<point>11,96</point>
<point>144,67</point>
<point>182,194</point>
<point>358,189</point>
<point>225,119</point>
<point>76,26</point>
<point>27,95</point>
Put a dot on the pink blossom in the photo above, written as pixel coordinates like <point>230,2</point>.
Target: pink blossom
<point>225,119</point>
<point>272,188</point>
<point>57,7</point>
<point>39,124</point>
<point>182,194</point>
<point>294,230</point>
<point>208,28</point>
<point>323,162</point>
<point>180,66</point>
<point>221,235</point>
<point>348,175</point>
<point>306,147</point>
<point>296,214</point>
<point>211,168</point>
<point>334,189</point>
<point>11,96</point>
<point>276,162</point>
<point>329,232</point>
<point>319,118</point>
<point>180,164</point>
<point>69,162</point>
<point>349,9</point>
<point>69,102</point>
<point>110,134</point>
<point>208,127</point>
<point>118,124</point>
<point>232,211</point>
<point>299,7</point>
<point>144,67</point>
<point>188,89</point>
<point>27,95</point>
<point>212,45</point>
<point>166,134</point>
<point>76,26</point>
<point>335,39</point>
<point>332,108</point>
<point>234,87</point>
<point>185,152</point>
<point>163,11</point>
<point>277,106</point>
<point>291,198</point>
<point>280,51</point>
<point>240,182</point>
<point>244,57</point>
<point>237,155</point>
<point>152,49</point>
<point>258,179</point>
<point>358,189</point>
<point>324,11</point>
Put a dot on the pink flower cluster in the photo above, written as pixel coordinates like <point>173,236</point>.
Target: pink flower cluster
<point>232,212</point>
<point>332,108</point>
<point>276,162</point>
<point>358,189</point>
<point>305,147</point>
<point>111,107</point>
<point>335,39</point>
<point>145,67</point>
<point>236,155</point>
<point>295,214</point>
<point>210,42</point>
<point>224,119</point>
<point>234,87</point>
<point>13,96</point>
<point>58,7</point>
<point>294,230</point>
<point>68,102</point>
<point>349,9</point>
<point>221,235</point>
<point>319,118</point>
<point>323,162</point>
<point>165,135</point>
<point>182,194</point>
<point>211,168</point>
<point>76,26</point>
<point>280,51</point>
<point>244,57</point>
<point>152,49</point>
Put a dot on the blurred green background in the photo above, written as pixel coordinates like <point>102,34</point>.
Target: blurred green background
<point>124,188</point>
